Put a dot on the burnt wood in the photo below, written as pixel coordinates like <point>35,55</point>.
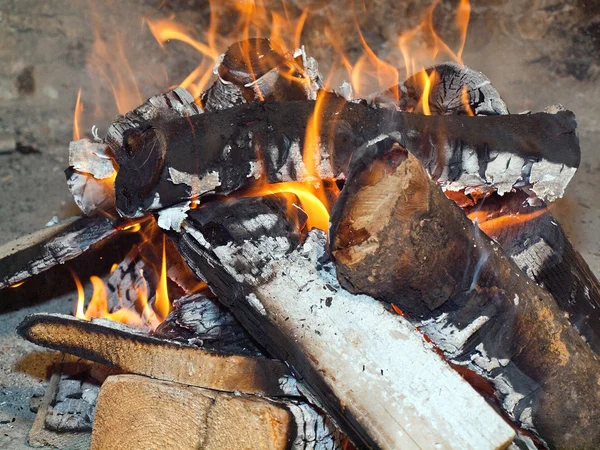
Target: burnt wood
<point>395,236</point>
<point>39,251</point>
<point>366,366</point>
<point>163,163</point>
<point>541,249</point>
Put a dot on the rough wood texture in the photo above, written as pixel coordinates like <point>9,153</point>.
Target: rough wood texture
<point>395,236</point>
<point>39,251</point>
<point>256,70</point>
<point>374,373</point>
<point>133,351</point>
<point>138,413</point>
<point>163,163</point>
<point>541,249</point>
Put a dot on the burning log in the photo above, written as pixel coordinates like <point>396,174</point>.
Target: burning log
<point>367,367</point>
<point>200,321</point>
<point>256,70</point>
<point>395,236</point>
<point>116,345</point>
<point>224,151</point>
<point>176,416</point>
<point>37,252</point>
<point>536,242</point>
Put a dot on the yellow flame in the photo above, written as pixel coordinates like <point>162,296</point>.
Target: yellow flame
<point>162,304</point>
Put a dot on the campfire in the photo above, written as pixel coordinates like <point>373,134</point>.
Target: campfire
<point>312,266</point>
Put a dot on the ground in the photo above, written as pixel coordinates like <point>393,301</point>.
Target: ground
<point>535,54</point>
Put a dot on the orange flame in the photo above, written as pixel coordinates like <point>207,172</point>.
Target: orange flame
<point>492,226</point>
<point>77,116</point>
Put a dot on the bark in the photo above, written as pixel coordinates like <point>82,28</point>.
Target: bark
<point>164,163</point>
<point>395,236</point>
<point>39,251</point>
<point>541,249</point>
<point>180,417</point>
<point>116,345</point>
<point>367,367</point>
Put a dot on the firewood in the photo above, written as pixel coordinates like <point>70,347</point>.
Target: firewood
<point>139,413</point>
<point>395,236</point>
<point>163,163</point>
<point>117,345</point>
<point>367,367</point>
<point>39,251</point>
<point>541,249</point>
<point>452,87</point>
<point>201,321</point>
<point>257,70</point>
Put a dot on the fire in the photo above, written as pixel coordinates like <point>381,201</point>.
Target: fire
<point>145,315</point>
<point>77,116</point>
<point>492,226</point>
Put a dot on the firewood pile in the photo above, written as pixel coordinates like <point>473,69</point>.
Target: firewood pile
<point>439,306</point>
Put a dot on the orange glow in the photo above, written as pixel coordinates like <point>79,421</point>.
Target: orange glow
<point>464,98</point>
<point>77,116</point>
<point>492,226</point>
<point>132,228</point>
<point>162,305</point>
<point>16,285</point>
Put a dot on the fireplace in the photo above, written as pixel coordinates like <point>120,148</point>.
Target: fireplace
<point>266,258</point>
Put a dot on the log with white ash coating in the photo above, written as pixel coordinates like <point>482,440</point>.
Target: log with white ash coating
<point>397,237</point>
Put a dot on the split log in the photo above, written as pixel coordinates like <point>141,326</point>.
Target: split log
<point>395,236</point>
<point>257,70</point>
<point>164,163</point>
<point>373,373</point>
<point>536,242</point>
<point>117,345</point>
<point>138,413</point>
<point>39,251</point>
<point>201,321</point>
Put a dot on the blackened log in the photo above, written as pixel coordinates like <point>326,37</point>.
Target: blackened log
<point>39,251</point>
<point>370,370</point>
<point>257,70</point>
<point>201,321</point>
<point>537,243</point>
<point>166,162</point>
<point>454,89</point>
<point>134,351</point>
<point>395,236</point>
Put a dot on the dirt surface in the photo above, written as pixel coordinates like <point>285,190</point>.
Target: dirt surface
<point>535,53</point>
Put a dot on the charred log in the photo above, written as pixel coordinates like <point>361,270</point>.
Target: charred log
<point>257,70</point>
<point>167,162</point>
<point>133,351</point>
<point>395,236</point>
<point>536,242</point>
<point>366,366</point>
<point>37,252</point>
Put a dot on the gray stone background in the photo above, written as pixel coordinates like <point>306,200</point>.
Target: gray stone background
<point>536,53</point>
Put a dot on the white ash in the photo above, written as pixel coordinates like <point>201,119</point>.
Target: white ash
<point>256,304</point>
<point>536,255</point>
<point>345,90</point>
<point>549,180</point>
<point>172,218</point>
<point>314,431</point>
<point>156,204</point>
<point>91,157</point>
<point>266,221</point>
<point>90,194</point>
<point>289,385</point>
<point>447,336</point>
<point>198,186</point>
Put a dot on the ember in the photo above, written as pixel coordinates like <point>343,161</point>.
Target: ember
<point>299,279</point>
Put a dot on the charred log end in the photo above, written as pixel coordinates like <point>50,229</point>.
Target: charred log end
<point>141,160</point>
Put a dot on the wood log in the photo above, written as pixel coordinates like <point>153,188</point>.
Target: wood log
<point>201,321</point>
<point>39,251</point>
<point>395,236</point>
<point>131,350</point>
<point>367,367</point>
<point>257,70</point>
<point>453,89</point>
<point>536,242</point>
<point>167,162</point>
<point>138,413</point>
